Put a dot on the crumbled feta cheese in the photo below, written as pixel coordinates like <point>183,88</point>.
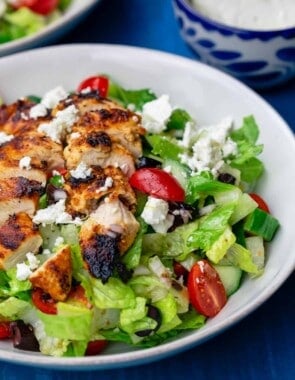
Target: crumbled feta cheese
<point>5,138</point>
<point>23,271</point>
<point>39,110</point>
<point>156,113</point>
<point>54,96</point>
<point>25,163</point>
<point>107,184</point>
<point>189,134</point>
<point>229,148</point>
<point>82,171</point>
<point>32,260</point>
<point>211,145</point>
<point>155,213</point>
<point>58,241</point>
<point>46,251</point>
<point>55,213</point>
<point>62,123</point>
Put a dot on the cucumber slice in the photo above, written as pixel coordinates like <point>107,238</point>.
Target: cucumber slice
<point>178,170</point>
<point>230,277</point>
<point>256,247</point>
<point>244,207</point>
<point>262,224</point>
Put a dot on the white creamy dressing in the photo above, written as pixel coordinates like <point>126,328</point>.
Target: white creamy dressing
<point>249,14</point>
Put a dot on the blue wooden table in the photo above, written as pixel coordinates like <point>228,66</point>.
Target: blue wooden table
<point>262,346</point>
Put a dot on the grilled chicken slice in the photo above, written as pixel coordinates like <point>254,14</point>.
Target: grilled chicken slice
<point>34,145</point>
<point>87,101</point>
<point>10,168</point>
<point>13,117</point>
<point>55,275</point>
<point>18,194</point>
<point>98,150</point>
<point>85,194</point>
<point>122,126</point>
<point>18,236</point>
<point>105,235</point>
<point>112,218</point>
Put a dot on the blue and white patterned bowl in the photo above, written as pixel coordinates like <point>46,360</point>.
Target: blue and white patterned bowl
<point>261,59</point>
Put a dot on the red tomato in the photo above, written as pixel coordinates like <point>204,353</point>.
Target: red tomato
<point>158,183</point>
<point>5,330</point>
<point>95,347</point>
<point>43,7</point>
<point>206,291</point>
<point>61,171</point>
<point>43,301</point>
<point>261,203</point>
<point>98,83</point>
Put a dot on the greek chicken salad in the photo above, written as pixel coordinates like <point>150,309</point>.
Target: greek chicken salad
<point>122,219</point>
<point>22,18</point>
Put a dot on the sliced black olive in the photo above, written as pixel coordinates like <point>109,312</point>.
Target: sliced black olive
<point>147,162</point>
<point>182,213</point>
<point>155,314</point>
<point>226,178</point>
<point>23,336</point>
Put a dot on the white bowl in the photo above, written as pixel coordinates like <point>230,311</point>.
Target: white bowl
<point>74,14</point>
<point>199,89</point>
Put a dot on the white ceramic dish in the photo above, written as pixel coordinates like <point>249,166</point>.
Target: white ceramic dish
<point>74,14</point>
<point>198,88</point>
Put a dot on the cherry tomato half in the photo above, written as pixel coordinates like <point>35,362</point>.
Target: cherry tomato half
<point>98,83</point>
<point>5,330</point>
<point>206,291</point>
<point>261,203</point>
<point>43,301</point>
<point>95,347</point>
<point>158,183</point>
<point>43,7</point>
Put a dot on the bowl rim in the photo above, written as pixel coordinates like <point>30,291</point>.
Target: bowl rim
<point>67,17</point>
<point>120,360</point>
<point>255,33</point>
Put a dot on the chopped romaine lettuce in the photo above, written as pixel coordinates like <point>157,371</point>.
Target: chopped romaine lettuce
<point>130,98</point>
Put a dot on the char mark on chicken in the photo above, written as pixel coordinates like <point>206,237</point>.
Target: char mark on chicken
<point>101,254</point>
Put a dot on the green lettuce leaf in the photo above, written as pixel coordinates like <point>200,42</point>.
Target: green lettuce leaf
<point>135,319</point>
<point>70,323</point>
<point>137,98</point>
<point>11,286</point>
<point>211,227</point>
<point>168,309</point>
<point>132,257</point>
<point>178,119</point>
<point>172,244</point>
<point>241,257</point>
<point>113,294</point>
<point>164,147</point>
<point>246,161</point>
<point>203,185</point>
<point>12,308</point>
